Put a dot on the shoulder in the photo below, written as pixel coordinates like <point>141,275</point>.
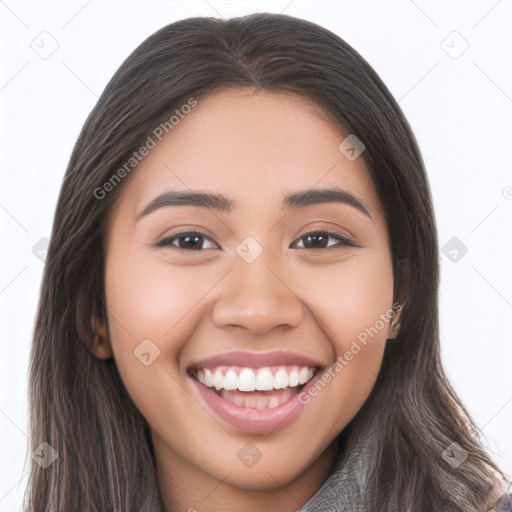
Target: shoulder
<point>504,500</point>
<point>503,504</point>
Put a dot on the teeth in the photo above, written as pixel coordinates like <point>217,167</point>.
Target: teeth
<point>293,378</point>
<point>200,376</point>
<point>251,379</point>
<point>231,380</point>
<point>247,380</point>
<point>218,379</point>
<point>257,402</point>
<point>208,378</point>
<point>303,375</point>
<point>281,379</point>
<point>273,402</point>
<point>264,380</point>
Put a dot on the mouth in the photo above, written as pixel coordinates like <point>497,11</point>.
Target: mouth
<point>255,388</point>
<point>257,393</point>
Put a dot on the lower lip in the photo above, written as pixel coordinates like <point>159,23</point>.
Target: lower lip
<point>254,421</point>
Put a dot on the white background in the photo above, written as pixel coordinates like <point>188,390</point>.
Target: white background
<point>459,109</point>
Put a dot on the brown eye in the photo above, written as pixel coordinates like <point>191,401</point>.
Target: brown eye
<point>319,239</point>
<point>186,240</point>
<point>195,241</point>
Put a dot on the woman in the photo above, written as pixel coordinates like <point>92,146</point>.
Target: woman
<point>239,308</point>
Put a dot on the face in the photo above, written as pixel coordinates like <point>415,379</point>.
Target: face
<point>282,305</point>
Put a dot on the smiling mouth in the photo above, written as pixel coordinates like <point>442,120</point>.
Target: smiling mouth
<point>255,388</point>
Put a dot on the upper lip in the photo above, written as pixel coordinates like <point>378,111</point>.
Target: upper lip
<point>258,359</point>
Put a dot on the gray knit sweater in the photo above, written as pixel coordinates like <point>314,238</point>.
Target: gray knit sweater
<point>342,493</point>
<point>344,490</point>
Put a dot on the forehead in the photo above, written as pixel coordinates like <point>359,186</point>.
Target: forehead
<point>254,147</point>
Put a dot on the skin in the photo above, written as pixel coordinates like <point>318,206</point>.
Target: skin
<point>254,147</point>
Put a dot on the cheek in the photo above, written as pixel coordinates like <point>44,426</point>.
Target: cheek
<point>146,301</point>
<point>349,298</point>
<point>149,294</point>
<point>352,303</point>
<point>151,315</point>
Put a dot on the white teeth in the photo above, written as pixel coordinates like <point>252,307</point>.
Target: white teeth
<point>250,379</point>
<point>246,380</point>
<point>303,375</point>
<point>273,402</point>
<point>218,379</point>
<point>231,380</point>
<point>257,402</point>
<point>208,378</point>
<point>281,379</point>
<point>200,377</point>
<point>264,380</point>
<point>293,378</point>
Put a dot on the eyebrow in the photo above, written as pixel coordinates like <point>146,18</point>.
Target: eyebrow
<point>220,202</point>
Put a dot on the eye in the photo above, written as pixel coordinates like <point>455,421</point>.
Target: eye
<point>187,240</point>
<point>319,239</point>
<point>192,240</point>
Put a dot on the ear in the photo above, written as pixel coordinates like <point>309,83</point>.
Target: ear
<point>101,347</point>
<point>394,324</point>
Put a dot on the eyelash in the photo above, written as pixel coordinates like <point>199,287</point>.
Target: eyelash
<point>167,241</point>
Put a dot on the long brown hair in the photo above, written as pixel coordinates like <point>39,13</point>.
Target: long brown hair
<point>77,402</point>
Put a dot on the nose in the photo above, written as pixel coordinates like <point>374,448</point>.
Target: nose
<point>258,297</point>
